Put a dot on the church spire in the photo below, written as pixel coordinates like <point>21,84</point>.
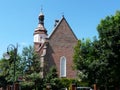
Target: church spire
<point>41,29</point>
<point>41,17</point>
<point>40,33</point>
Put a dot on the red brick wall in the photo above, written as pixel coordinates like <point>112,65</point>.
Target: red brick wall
<point>36,46</point>
<point>61,43</point>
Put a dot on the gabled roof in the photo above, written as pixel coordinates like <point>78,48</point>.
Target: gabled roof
<point>55,28</point>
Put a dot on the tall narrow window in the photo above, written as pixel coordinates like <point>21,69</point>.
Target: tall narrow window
<point>62,66</point>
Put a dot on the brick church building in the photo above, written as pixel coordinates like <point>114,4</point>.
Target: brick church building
<point>56,49</point>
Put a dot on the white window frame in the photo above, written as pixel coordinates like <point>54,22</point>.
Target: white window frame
<point>63,66</point>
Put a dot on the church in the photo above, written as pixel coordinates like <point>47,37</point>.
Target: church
<point>56,49</point>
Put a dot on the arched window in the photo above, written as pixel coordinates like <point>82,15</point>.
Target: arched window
<point>62,66</point>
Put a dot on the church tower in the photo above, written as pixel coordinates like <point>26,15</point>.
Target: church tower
<point>40,42</point>
<point>40,33</point>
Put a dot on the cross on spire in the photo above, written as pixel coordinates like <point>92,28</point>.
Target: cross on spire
<point>41,9</point>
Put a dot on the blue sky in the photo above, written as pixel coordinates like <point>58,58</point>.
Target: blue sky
<point>19,18</point>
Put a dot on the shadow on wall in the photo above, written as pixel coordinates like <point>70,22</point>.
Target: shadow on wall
<point>49,60</point>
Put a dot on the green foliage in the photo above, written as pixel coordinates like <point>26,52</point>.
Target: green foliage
<point>98,61</point>
<point>31,68</point>
<point>26,66</point>
<point>7,68</point>
<point>87,62</point>
<point>27,85</point>
<point>55,82</point>
<point>109,32</point>
<point>52,78</point>
<point>30,60</point>
<point>66,82</point>
<point>77,54</point>
<point>4,65</point>
<point>3,82</point>
<point>51,74</point>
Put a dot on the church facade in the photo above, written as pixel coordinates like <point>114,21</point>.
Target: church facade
<point>57,49</point>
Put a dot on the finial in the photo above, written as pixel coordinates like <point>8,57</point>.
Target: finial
<point>41,8</point>
<point>41,13</point>
<point>62,14</point>
<point>41,17</point>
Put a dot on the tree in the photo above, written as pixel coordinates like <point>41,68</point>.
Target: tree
<point>86,60</point>
<point>27,65</point>
<point>3,82</point>
<point>3,66</point>
<point>98,61</point>
<point>7,70</point>
<point>7,67</point>
<point>52,79</point>
<point>31,68</point>
<point>109,38</point>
